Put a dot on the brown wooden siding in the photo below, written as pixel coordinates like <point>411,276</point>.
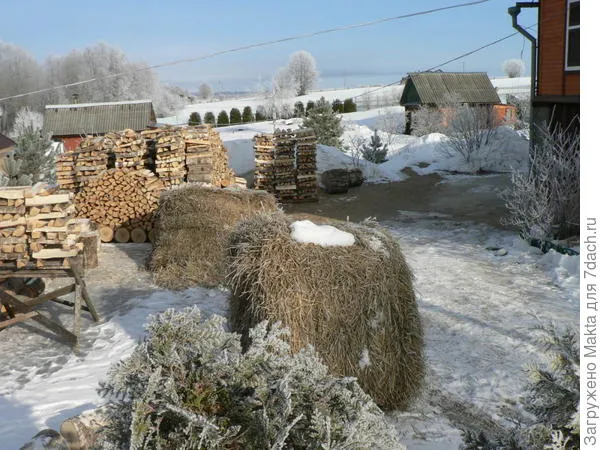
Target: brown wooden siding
<point>552,77</point>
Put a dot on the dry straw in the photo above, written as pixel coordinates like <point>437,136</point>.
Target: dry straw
<point>191,229</point>
<point>355,304</point>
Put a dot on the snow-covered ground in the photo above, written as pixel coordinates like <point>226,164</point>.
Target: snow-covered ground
<point>478,310</point>
<point>480,291</point>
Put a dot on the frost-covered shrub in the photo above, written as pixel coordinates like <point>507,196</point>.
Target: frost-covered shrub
<point>188,385</point>
<point>552,397</point>
<point>544,202</point>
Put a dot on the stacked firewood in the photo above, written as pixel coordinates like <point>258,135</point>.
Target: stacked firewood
<point>286,165</point>
<point>37,227</point>
<point>170,158</point>
<point>130,150</point>
<point>284,171</point>
<point>91,158</point>
<point>306,165</point>
<point>200,143</point>
<point>65,171</point>
<point>264,145</point>
<point>122,202</point>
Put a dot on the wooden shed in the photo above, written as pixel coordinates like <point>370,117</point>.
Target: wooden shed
<point>7,145</point>
<point>69,124</point>
<point>435,89</point>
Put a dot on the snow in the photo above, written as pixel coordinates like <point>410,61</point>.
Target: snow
<point>307,232</point>
<point>364,361</point>
<point>480,292</point>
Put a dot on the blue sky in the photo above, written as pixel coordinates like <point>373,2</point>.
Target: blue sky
<point>157,32</point>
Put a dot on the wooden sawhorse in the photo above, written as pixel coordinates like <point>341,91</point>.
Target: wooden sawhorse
<point>21,308</point>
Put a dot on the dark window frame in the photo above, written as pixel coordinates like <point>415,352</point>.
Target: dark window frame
<point>570,31</point>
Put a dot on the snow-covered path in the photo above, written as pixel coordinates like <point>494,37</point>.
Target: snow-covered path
<point>478,311</point>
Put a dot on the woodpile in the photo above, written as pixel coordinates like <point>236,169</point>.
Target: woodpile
<point>306,166</point>
<point>286,164</point>
<point>170,158</point>
<point>129,150</point>
<point>37,228</point>
<point>100,172</point>
<point>122,202</point>
<point>264,146</point>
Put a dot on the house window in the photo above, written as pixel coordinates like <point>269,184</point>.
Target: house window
<point>572,44</point>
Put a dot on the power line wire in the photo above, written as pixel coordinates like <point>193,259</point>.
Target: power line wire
<point>464,55</point>
<point>251,46</point>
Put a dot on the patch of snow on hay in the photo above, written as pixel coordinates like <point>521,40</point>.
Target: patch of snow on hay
<point>364,359</point>
<point>376,245</point>
<point>306,232</point>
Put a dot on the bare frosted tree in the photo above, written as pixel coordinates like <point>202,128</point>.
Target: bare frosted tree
<point>544,202</point>
<point>205,92</point>
<point>427,120</point>
<point>392,124</point>
<point>513,68</point>
<point>19,72</point>
<point>303,69</point>
<point>352,145</point>
<point>470,128</point>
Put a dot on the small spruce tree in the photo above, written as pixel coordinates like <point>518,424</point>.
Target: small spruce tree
<point>194,119</point>
<point>309,105</point>
<point>337,106</point>
<point>247,115</point>
<point>298,109</point>
<point>33,150</point>
<point>349,105</point>
<point>235,117</point>
<point>375,151</point>
<point>326,124</point>
<point>209,118</point>
<point>188,385</point>
<point>222,119</point>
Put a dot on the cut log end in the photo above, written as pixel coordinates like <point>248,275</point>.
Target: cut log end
<point>106,234</point>
<point>122,235</point>
<point>138,235</point>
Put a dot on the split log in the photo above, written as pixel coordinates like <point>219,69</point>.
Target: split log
<point>90,240</point>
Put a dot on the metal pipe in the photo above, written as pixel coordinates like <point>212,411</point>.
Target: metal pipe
<point>514,13</point>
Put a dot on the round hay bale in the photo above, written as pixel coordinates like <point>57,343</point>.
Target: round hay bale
<point>355,304</point>
<point>191,228</point>
<point>335,181</point>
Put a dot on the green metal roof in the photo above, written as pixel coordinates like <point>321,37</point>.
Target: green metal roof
<point>434,88</point>
<point>98,118</point>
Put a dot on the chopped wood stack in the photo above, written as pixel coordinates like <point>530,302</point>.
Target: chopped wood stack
<point>286,164</point>
<point>264,145</point>
<point>65,171</point>
<point>91,158</point>
<point>170,158</point>
<point>37,228</point>
<point>306,165</point>
<point>284,170</point>
<point>130,150</point>
<point>122,202</point>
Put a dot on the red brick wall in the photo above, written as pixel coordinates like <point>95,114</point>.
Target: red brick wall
<point>552,78</point>
<point>70,142</point>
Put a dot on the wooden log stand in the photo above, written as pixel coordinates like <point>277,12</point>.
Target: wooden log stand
<point>20,308</point>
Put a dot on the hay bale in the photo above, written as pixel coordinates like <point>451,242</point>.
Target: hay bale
<point>335,181</point>
<point>191,228</point>
<point>355,304</point>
